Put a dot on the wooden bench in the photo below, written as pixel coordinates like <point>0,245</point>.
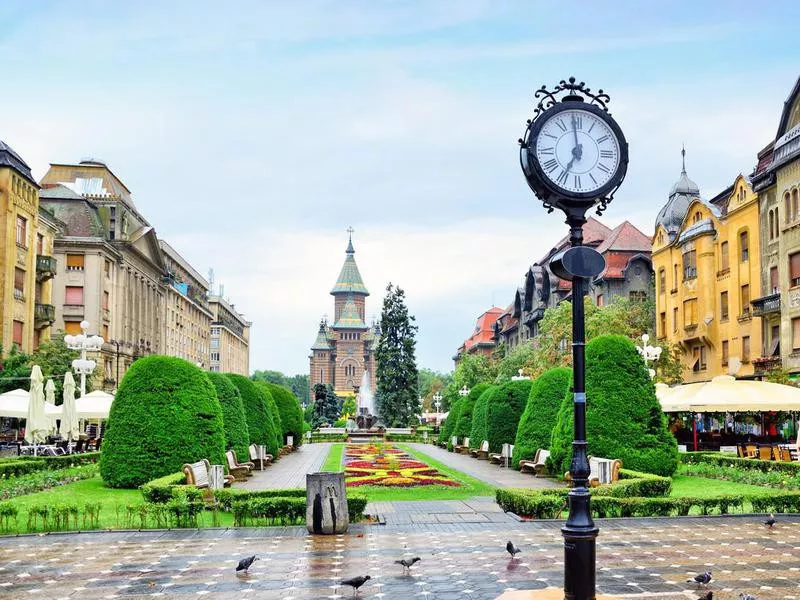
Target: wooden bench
<point>197,475</point>
<point>453,444</point>
<point>259,456</point>
<point>240,471</point>
<point>463,448</point>
<point>602,471</point>
<point>537,466</point>
<point>481,453</point>
<point>499,458</point>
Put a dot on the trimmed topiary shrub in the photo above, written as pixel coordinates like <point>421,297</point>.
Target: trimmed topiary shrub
<point>290,412</point>
<point>165,414</point>
<point>256,412</point>
<point>464,425</point>
<point>234,422</point>
<point>274,414</point>
<point>478,431</point>
<point>536,424</point>
<point>623,416</point>
<point>503,411</point>
<point>449,425</point>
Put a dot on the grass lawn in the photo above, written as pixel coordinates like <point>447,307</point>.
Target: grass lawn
<point>701,487</point>
<point>469,488</point>
<point>333,463</point>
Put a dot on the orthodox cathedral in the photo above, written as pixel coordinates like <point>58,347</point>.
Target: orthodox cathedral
<point>344,351</point>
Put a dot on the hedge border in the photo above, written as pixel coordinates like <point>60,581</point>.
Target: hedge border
<point>22,465</point>
<point>750,464</point>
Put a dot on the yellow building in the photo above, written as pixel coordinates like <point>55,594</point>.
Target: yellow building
<point>26,264</point>
<point>707,268</point>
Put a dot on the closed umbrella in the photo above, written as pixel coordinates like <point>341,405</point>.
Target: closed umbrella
<point>36,421</point>
<point>69,417</point>
<point>50,406</point>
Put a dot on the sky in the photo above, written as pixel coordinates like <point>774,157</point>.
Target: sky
<point>253,134</point>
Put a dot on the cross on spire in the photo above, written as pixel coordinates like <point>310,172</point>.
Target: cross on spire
<point>350,231</point>
<point>350,249</point>
<point>683,158</point>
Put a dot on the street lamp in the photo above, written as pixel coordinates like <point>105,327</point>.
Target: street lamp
<point>574,157</point>
<point>464,391</point>
<point>520,376</point>
<point>649,353</point>
<point>85,343</point>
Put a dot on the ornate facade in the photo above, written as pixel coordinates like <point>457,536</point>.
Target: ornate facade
<point>230,338</point>
<point>344,350</point>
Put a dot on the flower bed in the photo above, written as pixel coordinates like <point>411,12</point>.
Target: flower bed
<point>388,466</point>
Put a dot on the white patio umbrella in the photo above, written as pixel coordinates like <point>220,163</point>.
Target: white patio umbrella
<point>36,421</point>
<point>69,417</point>
<point>50,406</point>
<point>727,394</point>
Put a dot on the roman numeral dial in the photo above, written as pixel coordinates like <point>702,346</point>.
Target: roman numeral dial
<point>577,151</point>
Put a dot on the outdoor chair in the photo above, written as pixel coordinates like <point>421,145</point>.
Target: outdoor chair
<point>240,471</point>
<point>464,447</point>
<point>784,454</point>
<point>499,458</point>
<point>740,451</point>
<point>538,465</point>
<point>751,450</point>
<point>765,452</point>
<point>481,453</point>
<point>261,463</point>
<point>78,446</point>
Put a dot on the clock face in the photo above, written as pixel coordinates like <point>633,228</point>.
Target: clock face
<point>577,151</point>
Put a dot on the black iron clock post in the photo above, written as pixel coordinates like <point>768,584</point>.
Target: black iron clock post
<point>574,157</point>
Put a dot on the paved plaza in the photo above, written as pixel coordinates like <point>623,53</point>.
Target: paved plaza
<point>647,558</point>
<point>290,471</point>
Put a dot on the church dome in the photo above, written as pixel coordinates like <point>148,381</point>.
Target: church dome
<point>671,215</point>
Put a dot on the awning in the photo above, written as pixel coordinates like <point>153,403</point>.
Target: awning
<point>94,405</point>
<point>728,394</point>
<point>15,404</point>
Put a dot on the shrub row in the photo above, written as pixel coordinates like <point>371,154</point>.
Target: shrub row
<point>38,481</point>
<point>317,437</point>
<point>777,479</point>
<point>405,437</point>
<point>164,488</point>
<point>13,467</point>
<point>749,464</point>
<point>636,484</point>
<point>281,508</point>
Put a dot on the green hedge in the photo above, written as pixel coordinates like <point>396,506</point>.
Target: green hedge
<point>449,424</point>
<point>479,431</point>
<point>290,412</point>
<point>634,483</point>
<point>539,418</point>
<point>163,488</point>
<point>284,510</point>
<point>273,414</point>
<point>328,437</point>
<point>503,411</point>
<point>256,412</point>
<point>21,465</point>
<point>165,414</point>
<point>237,437</point>
<point>748,464</point>
<point>623,416</point>
<point>463,426</point>
<point>406,437</point>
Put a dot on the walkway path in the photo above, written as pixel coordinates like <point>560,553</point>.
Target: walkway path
<point>290,471</point>
<point>650,559</point>
<point>483,470</point>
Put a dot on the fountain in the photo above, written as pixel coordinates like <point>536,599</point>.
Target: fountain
<point>365,403</point>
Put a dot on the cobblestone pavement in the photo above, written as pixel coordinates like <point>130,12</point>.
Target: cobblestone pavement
<point>484,470</point>
<point>290,471</point>
<point>647,558</point>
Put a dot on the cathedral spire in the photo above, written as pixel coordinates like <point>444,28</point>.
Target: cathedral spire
<point>349,280</point>
<point>350,249</point>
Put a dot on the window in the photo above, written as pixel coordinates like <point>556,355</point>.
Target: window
<point>675,319</point>
<point>690,265</point>
<point>662,281</point>
<point>794,269</point>
<point>794,205</point>
<point>39,243</point>
<point>724,263</point>
<point>773,280</point>
<point>690,312</point>
<point>105,332</point>
<point>746,349</point>
<point>17,332</point>
<point>675,276</point>
<point>724,352</point>
<point>796,334</point>
<point>699,358</point>
<point>107,268</point>
<point>22,231</point>
<point>105,300</point>
<point>662,324</point>
<point>75,262</point>
<point>72,327</point>
<point>744,247</point>
<point>215,356</point>
<point>19,283</point>
<point>637,296</point>
<point>74,295</point>
<point>600,300</point>
<point>723,306</point>
<point>214,343</point>
<point>745,300</point>
<point>787,207</point>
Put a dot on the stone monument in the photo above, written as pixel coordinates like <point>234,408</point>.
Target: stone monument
<point>326,503</point>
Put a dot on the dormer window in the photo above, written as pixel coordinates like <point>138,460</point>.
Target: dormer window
<point>697,217</point>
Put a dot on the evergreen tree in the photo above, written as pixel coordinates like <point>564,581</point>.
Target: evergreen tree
<point>397,399</point>
<point>326,405</point>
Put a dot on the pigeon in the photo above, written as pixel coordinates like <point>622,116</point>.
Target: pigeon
<point>246,563</point>
<point>407,562</point>
<point>356,582</point>
<point>512,549</point>
<point>746,597</point>
<point>703,579</point>
<point>708,596</point>
<point>770,522</point>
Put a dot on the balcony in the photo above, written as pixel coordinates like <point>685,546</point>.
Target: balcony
<point>766,305</point>
<point>74,310</point>
<point>44,315</point>
<point>45,267</point>
<point>762,364</point>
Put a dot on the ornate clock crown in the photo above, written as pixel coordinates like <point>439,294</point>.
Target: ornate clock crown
<point>577,92</point>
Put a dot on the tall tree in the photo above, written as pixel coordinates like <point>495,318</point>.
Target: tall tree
<point>398,403</point>
<point>15,370</point>
<point>55,359</point>
<point>326,405</point>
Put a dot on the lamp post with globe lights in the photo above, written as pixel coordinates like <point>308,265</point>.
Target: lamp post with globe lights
<point>85,343</point>
<point>649,353</point>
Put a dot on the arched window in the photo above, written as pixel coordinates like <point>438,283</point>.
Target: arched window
<point>794,205</point>
<point>744,247</point>
<point>771,224</point>
<point>787,207</point>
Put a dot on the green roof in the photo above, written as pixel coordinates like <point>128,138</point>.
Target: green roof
<point>350,319</point>
<point>349,280</point>
<point>321,342</point>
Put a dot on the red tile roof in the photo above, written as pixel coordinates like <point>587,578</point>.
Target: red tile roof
<point>626,237</point>
<point>594,232</point>
<point>484,331</point>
